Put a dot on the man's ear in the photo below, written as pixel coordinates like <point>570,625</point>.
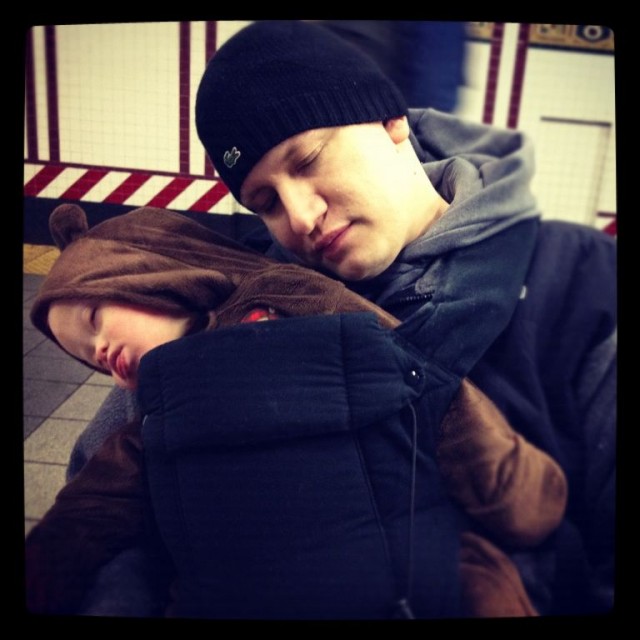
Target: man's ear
<point>398,129</point>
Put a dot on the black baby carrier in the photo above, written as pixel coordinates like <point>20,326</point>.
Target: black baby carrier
<point>292,472</point>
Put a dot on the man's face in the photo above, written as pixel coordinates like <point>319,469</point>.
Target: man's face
<point>113,337</point>
<point>336,197</point>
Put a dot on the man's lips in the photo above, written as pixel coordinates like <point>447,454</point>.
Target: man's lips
<point>330,242</point>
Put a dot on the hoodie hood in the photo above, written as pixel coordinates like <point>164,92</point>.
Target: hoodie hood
<point>461,281</point>
<point>148,257</point>
<point>483,172</point>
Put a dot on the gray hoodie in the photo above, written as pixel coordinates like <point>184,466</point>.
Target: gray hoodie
<point>483,172</point>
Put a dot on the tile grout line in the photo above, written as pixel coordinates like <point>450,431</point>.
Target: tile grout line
<point>47,463</point>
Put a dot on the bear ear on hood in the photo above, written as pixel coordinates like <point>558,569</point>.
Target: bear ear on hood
<point>67,223</point>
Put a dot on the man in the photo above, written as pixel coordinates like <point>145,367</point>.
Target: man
<point>432,218</point>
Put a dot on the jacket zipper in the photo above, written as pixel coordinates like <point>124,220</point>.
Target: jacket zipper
<point>416,297</point>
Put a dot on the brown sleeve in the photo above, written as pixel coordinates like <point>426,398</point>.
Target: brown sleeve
<point>491,586</point>
<point>515,490</point>
<point>99,513</point>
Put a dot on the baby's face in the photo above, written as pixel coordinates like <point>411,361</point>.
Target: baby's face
<point>113,336</point>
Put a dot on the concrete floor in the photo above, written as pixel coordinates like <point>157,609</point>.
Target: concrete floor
<point>60,397</point>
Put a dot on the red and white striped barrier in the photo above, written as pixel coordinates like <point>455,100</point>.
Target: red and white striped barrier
<point>607,222</point>
<point>140,189</point>
<point>129,188</point>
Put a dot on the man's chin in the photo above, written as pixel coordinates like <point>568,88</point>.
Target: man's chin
<point>353,272</point>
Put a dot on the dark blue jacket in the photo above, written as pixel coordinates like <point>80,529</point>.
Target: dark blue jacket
<point>529,314</point>
<point>552,372</point>
<point>283,528</point>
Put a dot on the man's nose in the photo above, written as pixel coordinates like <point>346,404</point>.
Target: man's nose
<point>304,207</point>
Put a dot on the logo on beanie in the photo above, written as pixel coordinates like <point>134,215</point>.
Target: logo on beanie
<point>231,157</point>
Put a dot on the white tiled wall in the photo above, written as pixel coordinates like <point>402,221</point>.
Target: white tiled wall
<point>568,106</point>
<point>118,95</point>
<point>118,87</point>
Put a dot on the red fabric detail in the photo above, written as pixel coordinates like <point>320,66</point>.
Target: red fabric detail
<point>260,314</point>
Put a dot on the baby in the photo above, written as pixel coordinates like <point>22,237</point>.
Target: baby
<point>150,277</point>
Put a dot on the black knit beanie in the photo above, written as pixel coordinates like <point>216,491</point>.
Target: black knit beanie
<point>274,79</point>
